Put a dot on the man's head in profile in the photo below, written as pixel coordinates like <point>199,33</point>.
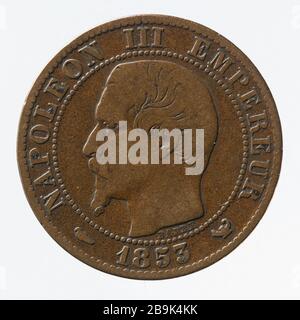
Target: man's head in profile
<point>152,94</point>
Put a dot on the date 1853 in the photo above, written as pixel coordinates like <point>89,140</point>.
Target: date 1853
<point>161,256</point>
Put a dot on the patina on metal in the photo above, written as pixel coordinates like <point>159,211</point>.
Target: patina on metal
<point>149,221</point>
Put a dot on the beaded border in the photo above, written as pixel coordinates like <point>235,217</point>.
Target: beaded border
<point>161,53</point>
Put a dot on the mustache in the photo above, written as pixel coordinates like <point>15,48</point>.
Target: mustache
<point>96,168</point>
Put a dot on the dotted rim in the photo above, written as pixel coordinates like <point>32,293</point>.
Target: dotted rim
<point>161,53</point>
<point>39,210</point>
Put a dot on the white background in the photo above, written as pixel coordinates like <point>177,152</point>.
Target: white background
<point>265,265</point>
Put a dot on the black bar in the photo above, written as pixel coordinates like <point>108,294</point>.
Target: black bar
<point>146,309</point>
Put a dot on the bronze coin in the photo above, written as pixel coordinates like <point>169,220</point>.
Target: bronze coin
<point>149,220</point>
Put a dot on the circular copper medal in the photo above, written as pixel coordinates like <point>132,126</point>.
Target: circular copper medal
<point>149,147</point>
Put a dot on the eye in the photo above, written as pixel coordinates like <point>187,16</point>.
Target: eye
<point>106,124</point>
<point>102,124</point>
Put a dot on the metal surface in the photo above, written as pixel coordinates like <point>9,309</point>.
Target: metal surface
<point>149,221</point>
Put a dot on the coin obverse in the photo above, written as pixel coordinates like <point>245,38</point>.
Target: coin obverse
<point>139,220</point>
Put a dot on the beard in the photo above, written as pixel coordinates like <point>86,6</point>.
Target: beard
<point>101,197</point>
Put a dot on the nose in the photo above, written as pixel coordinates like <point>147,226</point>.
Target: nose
<point>89,148</point>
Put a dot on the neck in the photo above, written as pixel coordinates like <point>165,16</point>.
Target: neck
<point>163,203</point>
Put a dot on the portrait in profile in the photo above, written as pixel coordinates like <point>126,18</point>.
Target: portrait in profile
<point>152,94</point>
